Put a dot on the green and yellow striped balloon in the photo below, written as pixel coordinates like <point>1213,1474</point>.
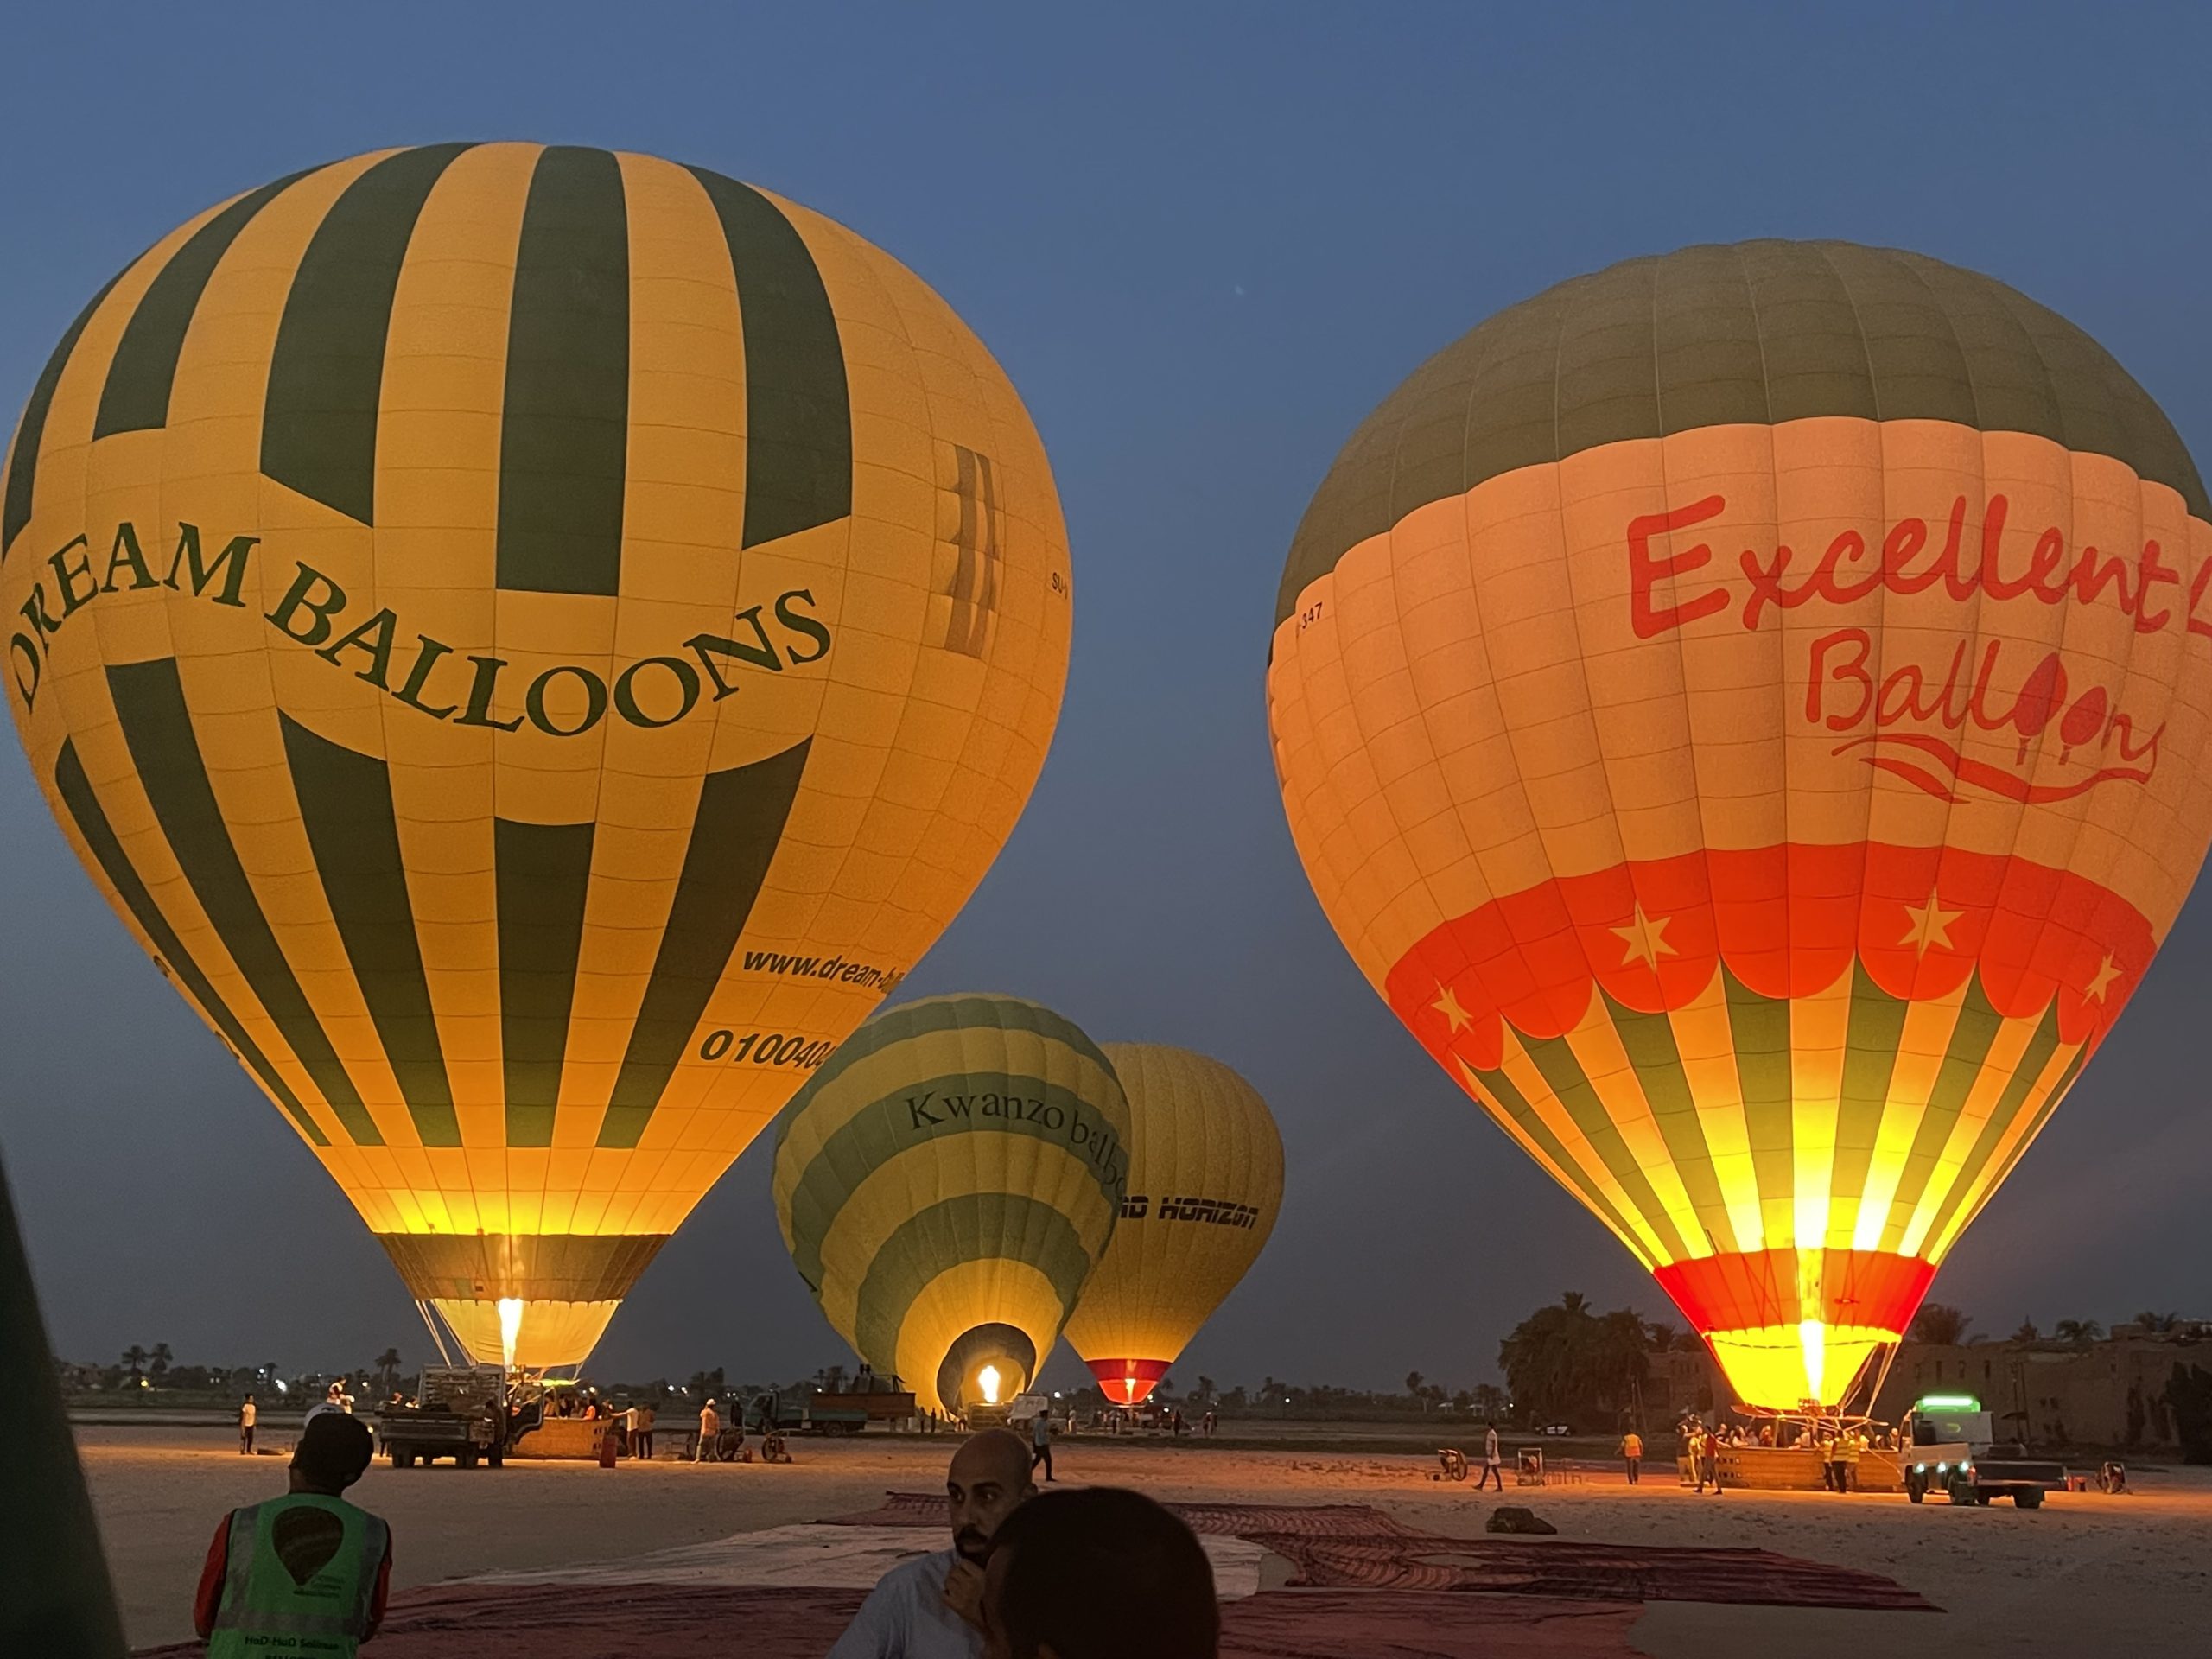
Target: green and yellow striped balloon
<point>536,642</point>
<point>946,1183</point>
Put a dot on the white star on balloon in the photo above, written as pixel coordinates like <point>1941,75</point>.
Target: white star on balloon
<point>2100,982</point>
<point>1646,940</point>
<point>1929,926</point>
<point>1448,1006</point>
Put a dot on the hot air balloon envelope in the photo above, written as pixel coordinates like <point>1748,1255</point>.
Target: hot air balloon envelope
<point>1205,1186</point>
<point>1746,711</point>
<point>536,642</point>
<point>946,1183</point>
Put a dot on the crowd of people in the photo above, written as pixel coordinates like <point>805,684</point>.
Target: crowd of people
<point>1839,1446</point>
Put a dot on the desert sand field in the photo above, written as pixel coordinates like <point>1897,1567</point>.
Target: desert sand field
<point>2085,1574</point>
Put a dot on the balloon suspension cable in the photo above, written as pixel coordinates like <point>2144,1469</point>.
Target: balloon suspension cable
<point>430,1323</point>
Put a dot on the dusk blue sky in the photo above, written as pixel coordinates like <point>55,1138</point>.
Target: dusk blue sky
<point>1204,241</point>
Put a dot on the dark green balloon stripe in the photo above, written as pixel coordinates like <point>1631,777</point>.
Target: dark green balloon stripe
<point>30,432</point>
<point>544,875</point>
<point>1758,1027</point>
<point>144,369</point>
<point>2033,1060</point>
<point>1874,1030</point>
<point>346,806</point>
<point>1649,1041</point>
<point>734,834</point>
<point>1502,1090</point>
<point>974,1227</point>
<point>564,434</point>
<point>1972,1039</point>
<point>911,1020</point>
<point>149,701</point>
<point>91,822</point>
<point>886,1130</point>
<point>1555,1058</point>
<point>326,377</point>
<point>1759,333</point>
<point>798,424</point>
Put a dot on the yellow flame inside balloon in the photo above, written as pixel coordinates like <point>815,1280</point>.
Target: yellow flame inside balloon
<point>989,1379</point>
<point>509,1327</point>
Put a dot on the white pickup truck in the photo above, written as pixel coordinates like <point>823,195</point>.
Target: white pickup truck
<point>1950,1446</point>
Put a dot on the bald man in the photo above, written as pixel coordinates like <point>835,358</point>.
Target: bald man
<point>931,1608</point>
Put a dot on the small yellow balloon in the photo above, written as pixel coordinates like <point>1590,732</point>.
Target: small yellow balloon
<point>947,1182</point>
<point>1205,1186</point>
<point>536,642</point>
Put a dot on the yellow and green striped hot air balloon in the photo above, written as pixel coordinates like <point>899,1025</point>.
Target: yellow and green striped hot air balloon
<point>1750,713</point>
<point>536,641</point>
<point>1205,1186</point>
<point>946,1182</point>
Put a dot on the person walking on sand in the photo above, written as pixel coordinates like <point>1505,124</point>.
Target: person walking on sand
<point>1040,1443</point>
<point>247,1413</point>
<point>304,1573</point>
<point>710,1428</point>
<point>1851,1447</point>
<point>1708,1467</point>
<point>1632,1453</point>
<point>1493,1467</point>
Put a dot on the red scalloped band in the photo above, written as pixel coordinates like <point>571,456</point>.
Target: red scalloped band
<point>1873,1289</point>
<point>1787,920</point>
<point>1127,1382</point>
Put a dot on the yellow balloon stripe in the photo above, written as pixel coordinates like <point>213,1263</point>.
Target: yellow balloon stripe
<point>1707,1044</point>
<point>2007,1051</point>
<point>1921,1046</point>
<point>1618,1087</point>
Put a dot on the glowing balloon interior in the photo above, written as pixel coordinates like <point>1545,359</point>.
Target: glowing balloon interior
<point>536,642</point>
<point>946,1184</point>
<point>1746,711</point>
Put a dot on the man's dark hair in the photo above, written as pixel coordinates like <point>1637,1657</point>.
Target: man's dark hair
<point>1103,1574</point>
<point>334,1450</point>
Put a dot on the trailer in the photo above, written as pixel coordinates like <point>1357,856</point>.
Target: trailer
<point>461,1412</point>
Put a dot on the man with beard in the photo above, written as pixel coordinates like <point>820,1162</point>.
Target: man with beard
<point>932,1607</point>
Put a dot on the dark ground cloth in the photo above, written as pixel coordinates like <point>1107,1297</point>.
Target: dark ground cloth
<point>1367,1587</point>
<point>1353,1546</point>
<point>659,1621</point>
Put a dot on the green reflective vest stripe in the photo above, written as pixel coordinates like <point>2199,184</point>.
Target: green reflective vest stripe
<point>300,1575</point>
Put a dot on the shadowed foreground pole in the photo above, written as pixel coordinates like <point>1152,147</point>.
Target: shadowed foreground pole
<point>55,1597</point>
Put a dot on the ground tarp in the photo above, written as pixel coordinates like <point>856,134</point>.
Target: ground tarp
<point>1353,1546</point>
<point>764,1622</point>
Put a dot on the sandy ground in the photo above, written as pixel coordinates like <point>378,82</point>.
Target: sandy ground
<point>2082,1573</point>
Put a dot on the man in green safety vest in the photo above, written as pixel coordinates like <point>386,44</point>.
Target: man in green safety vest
<point>304,1574</point>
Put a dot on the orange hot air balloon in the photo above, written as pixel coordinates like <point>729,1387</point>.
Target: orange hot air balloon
<point>1746,711</point>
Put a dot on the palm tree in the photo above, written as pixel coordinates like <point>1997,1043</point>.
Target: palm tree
<point>2027,1332</point>
<point>1414,1387</point>
<point>161,1357</point>
<point>2080,1332</point>
<point>1205,1389</point>
<point>388,1363</point>
<point>1939,1325</point>
<point>2156,1321</point>
<point>135,1357</point>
